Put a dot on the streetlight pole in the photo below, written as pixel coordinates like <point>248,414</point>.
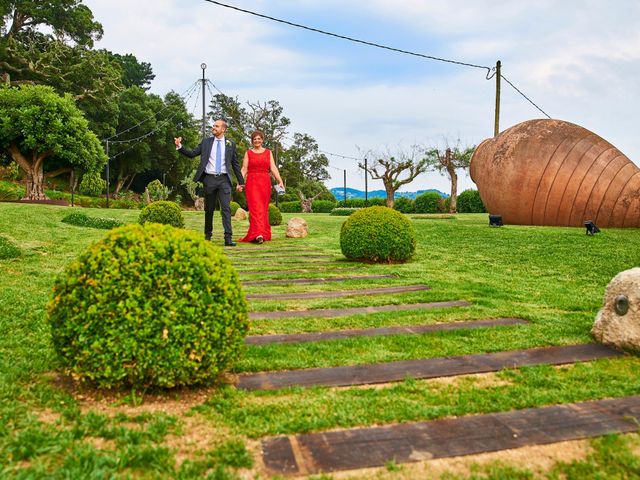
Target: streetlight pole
<point>107,173</point>
<point>496,124</point>
<point>203,66</point>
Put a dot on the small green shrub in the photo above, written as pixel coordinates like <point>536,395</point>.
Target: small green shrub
<point>234,207</point>
<point>290,207</point>
<point>322,206</point>
<point>10,171</point>
<point>429,202</point>
<point>164,212</point>
<point>275,217</point>
<point>469,201</point>
<point>377,202</point>
<point>81,219</point>
<point>148,306</point>
<point>8,193</point>
<point>378,234</point>
<point>8,250</point>
<point>92,184</point>
<point>343,212</point>
<point>404,205</point>
<point>157,191</point>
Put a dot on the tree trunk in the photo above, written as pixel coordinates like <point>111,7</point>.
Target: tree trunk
<point>34,173</point>
<point>453,202</point>
<point>390,193</point>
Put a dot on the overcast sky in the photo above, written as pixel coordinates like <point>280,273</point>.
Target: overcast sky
<point>577,60</point>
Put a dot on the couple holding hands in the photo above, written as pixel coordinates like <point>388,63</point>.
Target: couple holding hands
<point>217,158</point>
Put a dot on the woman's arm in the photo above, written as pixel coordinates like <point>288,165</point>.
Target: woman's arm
<point>274,170</point>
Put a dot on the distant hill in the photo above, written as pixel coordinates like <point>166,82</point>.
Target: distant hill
<point>338,192</point>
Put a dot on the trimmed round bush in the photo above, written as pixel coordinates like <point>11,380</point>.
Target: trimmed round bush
<point>469,201</point>
<point>275,217</point>
<point>378,234</point>
<point>234,207</point>
<point>404,205</point>
<point>165,212</point>
<point>148,306</point>
<point>429,202</point>
<point>92,184</point>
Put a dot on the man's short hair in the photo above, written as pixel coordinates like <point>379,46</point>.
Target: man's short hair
<point>224,122</point>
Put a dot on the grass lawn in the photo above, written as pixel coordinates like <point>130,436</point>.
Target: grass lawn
<point>552,277</point>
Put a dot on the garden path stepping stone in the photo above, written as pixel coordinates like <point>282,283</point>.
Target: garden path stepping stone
<point>312,453</point>
<point>279,258</point>
<point>341,312</point>
<point>286,281</point>
<point>287,271</point>
<point>426,368</point>
<point>372,332</point>
<point>337,293</point>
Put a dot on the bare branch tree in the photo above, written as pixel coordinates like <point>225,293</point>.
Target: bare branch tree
<point>389,166</point>
<point>448,161</point>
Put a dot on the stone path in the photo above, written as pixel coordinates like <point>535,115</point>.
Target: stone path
<point>428,368</point>
<point>337,293</point>
<point>286,281</point>
<point>341,312</point>
<point>450,437</point>
<point>374,332</point>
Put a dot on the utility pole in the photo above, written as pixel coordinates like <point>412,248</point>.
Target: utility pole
<point>203,66</point>
<point>496,126</point>
<point>107,173</point>
<point>345,187</point>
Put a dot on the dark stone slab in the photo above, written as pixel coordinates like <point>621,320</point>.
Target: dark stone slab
<point>450,437</point>
<point>341,312</point>
<point>287,271</point>
<point>427,368</point>
<point>299,281</point>
<point>279,258</point>
<point>374,332</point>
<point>338,293</point>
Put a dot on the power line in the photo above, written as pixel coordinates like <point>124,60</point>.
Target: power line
<point>491,71</point>
<point>527,98</point>
<point>193,85</point>
<point>351,39</point>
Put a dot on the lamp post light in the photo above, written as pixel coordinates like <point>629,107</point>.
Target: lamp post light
<point>203,66</point>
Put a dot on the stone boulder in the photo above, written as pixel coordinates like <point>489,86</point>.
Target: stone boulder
<point>241,214</point>
<point>618,321</point>
<point>297,228</point>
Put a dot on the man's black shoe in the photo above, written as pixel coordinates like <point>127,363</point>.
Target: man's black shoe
<point>230,244</point>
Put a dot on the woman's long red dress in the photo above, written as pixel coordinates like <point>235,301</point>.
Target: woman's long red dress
<point>258,192</point>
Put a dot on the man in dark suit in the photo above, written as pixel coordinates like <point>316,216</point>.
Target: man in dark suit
<point>217,158</point>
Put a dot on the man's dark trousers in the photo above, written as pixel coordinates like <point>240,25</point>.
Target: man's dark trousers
<point>217,189</point>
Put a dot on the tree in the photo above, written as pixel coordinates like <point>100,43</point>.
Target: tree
<point>266,117</point>
<point>37,125</point>
<point>449,161</point>
<point>134,72</point>
<point>302,162</point>
<point>388,168</point>
<point>62,58</point>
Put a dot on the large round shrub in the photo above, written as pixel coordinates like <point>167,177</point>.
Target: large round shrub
<point>429,202</point>
<point>469,201</point>
<point>146,306</point>
<point>168,213</point>
<point>92,184</point>
<point>275,217</point>
<point>378,234</point>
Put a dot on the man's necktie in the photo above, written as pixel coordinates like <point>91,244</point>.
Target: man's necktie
<point>218,157</point>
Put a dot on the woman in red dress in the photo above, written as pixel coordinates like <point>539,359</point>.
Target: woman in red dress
<point>256,166</point>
